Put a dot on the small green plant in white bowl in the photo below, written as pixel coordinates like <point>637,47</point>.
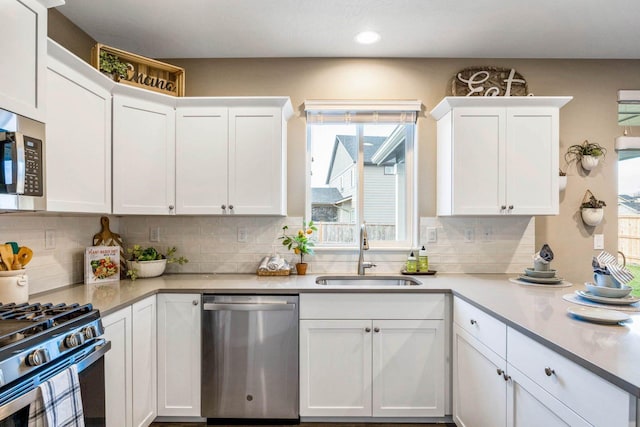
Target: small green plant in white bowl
<point>149,262</point>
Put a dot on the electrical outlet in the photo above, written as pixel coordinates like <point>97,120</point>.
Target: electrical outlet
<point>468,235</point>
<point>598,241</point>
<point>487,233</point>
<point>50,239</point>
<point>243,234</point>
<point>154,234</point>
<point>432,235</point>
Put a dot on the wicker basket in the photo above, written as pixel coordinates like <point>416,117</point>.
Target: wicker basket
<point>274,273</point>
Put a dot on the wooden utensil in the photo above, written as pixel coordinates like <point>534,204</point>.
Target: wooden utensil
<point>106,237</point>
<point>24,255</point>
<point>6,253</point>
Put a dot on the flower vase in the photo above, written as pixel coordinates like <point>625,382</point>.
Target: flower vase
<point>592,216</point>
<point>301,268</point>
<point>589,162</point>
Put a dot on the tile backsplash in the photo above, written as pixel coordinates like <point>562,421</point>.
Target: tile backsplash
<point>464,245</point>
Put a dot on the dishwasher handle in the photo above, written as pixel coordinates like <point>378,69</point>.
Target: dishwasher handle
<point>258,306</point>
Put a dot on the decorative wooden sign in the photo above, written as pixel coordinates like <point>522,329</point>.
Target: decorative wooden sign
<point>136,70</point>
<point>488,81</point>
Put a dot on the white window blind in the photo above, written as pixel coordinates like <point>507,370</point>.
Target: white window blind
<point>347,112</point>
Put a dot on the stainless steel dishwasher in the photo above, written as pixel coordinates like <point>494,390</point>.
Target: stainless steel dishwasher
<point>250,357</point>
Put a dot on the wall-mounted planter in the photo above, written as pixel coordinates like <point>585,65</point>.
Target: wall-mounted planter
<point>592,216</point>
<point>589,162</point>
<point>562,182</point>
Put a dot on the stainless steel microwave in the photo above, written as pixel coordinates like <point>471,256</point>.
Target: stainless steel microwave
<point>22,163</point>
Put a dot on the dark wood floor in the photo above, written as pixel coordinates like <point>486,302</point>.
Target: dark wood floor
<point>309,425</point>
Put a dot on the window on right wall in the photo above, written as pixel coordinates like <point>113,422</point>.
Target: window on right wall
<point>361,168</point>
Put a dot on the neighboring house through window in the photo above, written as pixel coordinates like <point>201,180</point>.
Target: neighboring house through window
<point>362,169</point>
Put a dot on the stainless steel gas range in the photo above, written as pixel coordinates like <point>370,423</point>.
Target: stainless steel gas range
<point>38,341</point>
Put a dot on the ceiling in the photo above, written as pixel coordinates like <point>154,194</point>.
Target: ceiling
<point>326,28</point>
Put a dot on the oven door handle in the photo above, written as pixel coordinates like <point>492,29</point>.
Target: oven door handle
<point>30,397</point>
<point>98,352</point>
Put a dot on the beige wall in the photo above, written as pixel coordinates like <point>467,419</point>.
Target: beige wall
<point>69,35</point>
<point>591,115</point>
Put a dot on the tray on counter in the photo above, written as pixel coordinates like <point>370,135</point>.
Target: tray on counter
<point>419,273</point>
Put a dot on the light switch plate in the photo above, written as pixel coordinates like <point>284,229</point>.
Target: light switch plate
<point>154,234</point>
<point>50,239</point>
<point>432,235</point>
<point>243,234</point>
<point>598,241</point>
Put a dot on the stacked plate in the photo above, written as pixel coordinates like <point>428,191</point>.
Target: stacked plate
<point>604,295</point>
<point>540,277</point>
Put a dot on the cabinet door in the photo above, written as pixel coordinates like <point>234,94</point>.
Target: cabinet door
<point>408,368</point>
<point>144,361</point>
<point>78,150</point>
<point>179,329</point>
<point>23,47</point>
<point>143,157</point>
<point>528,405</point>
<point>117,367</point>
<point>478,136</point>
<point>479,388</point>
<point>335,368</point>
<point>201,160</point>
<point>257,171</point>
<point>532,161</point>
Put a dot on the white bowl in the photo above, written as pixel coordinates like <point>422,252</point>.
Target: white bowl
<point>147,268</point>
<point>603,291</point>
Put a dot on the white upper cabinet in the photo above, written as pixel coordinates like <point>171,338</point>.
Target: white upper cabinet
<point>498,155</point>
<point>231,155</point>
<point>143,152</point>
<point>78,134</point>
<point>23,46</point>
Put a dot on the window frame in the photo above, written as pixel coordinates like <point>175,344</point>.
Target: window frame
<point>369,112</point>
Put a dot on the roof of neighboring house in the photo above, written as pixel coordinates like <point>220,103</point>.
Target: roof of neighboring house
<point>629,203</point>
<point>325,195</point>
<point>350,143</point>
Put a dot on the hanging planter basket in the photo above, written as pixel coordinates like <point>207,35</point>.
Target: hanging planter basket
<point>590,162</point>
<point>592,209</point>
<point>592,216</point>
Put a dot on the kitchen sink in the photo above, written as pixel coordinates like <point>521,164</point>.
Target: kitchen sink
<point>367,281</point>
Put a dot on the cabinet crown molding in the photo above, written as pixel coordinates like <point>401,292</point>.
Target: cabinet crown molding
<point>450,102</point>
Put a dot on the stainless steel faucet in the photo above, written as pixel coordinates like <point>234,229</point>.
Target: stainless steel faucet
<point>364,246</point>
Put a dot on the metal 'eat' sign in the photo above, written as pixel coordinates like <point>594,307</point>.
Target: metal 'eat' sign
<point>488,81</point>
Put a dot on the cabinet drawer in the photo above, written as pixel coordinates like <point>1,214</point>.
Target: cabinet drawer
<point>371,306</point>
<point>487,329</point>
<point>569,382</point>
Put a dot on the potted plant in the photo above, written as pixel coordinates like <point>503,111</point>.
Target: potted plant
<point>148,262</point>
<point>587,153</point>
<point>591,209</point>
<point>112,66</point>
<point>300,242</point>
<point>562,180</point>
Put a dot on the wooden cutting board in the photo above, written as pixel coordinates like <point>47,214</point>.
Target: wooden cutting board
<point>106,237</point>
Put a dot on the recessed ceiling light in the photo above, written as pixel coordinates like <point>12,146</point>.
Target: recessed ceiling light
<point>367,37</point>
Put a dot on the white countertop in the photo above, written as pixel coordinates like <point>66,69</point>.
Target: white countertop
<point>612,352</point>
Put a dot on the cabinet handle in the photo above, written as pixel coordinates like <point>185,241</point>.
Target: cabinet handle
<point>367,329</point>
<point>506,377</point>
<point>548,371</point>
<point>376,329</point>
<point>231,207</point>
<point>194,302</point>
<point>503,207</point>
<point>223,207</point>
<point>473,322</point>
<point>500,371</point>
<point>171,207</point>
<point>510,207</point>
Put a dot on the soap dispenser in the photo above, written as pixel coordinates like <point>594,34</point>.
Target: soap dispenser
<point>423,260</point>
<point>412,263</point>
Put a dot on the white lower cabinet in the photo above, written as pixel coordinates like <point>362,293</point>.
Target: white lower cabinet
<point>381,366</point>
<point>179,327</point>
<point>479,388</point>
<point>130,365</point>
<point>530,386</point>
<point>117,365</point>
